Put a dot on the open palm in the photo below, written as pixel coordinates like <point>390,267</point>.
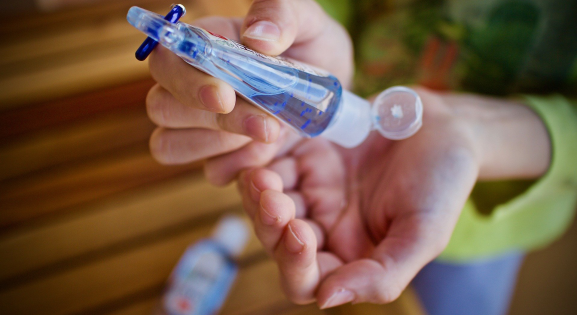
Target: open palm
<point>357,225</point>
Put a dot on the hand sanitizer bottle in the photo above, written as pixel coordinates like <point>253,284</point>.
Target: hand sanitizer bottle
<point>205,273</point>
<point>309,100</point>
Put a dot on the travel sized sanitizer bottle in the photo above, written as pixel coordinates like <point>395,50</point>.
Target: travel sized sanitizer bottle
<point>310,100</point>
<point>205,273</point>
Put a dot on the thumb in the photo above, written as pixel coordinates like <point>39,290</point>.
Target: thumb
<point>380,279</point>
<point>272,26</point>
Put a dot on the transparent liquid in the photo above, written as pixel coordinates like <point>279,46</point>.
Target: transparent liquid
<point>305,116</point>
<point>305,100</point>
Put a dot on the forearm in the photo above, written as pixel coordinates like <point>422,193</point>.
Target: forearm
<point>511,140</point>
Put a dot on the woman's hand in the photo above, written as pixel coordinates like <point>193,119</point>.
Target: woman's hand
<point>200,116</point>
<point>357,225</point>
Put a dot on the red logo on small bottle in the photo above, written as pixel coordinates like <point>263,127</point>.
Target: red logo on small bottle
<point>183,305</point>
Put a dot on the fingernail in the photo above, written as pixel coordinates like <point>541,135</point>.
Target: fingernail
<point>340,297</point>
<point>210,98</point>
<point>263,30</point>
<point>267,218</point>
<point>294,243</point>
<point>256,127</point>
<point>254,191</point>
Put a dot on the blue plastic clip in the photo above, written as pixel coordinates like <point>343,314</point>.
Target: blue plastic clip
<point>176,12</point>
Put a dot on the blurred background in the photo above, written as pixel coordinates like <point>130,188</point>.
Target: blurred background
<point>89,222</point>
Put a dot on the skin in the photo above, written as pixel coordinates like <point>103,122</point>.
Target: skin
<point>343,225</point>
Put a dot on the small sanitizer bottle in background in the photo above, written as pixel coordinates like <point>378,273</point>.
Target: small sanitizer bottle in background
<point>309,100</point>
<point>205,273</point>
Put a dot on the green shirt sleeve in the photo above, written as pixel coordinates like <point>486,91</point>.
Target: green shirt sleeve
<point>543,212</point>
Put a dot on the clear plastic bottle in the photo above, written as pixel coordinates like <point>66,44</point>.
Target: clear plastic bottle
<point>205,273</point>
<point>308,99</point>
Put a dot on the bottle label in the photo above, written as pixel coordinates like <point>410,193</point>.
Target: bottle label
<point>191,283</point>
<point>281,61</point>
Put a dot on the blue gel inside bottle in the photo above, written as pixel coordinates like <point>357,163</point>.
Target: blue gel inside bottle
<point>303,97</point>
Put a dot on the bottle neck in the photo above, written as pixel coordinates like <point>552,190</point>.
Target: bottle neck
<point>352,123</point>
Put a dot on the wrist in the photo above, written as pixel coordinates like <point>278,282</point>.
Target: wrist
<point>509,139</point>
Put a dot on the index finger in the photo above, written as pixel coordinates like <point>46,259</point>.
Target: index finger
<point>190,86</point>
<point>272,26</point>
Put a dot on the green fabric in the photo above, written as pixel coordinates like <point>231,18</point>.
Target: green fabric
<point>536,217</point>
<point>487,195</point>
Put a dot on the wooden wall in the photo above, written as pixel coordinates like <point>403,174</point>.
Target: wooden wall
<point>89,222</point>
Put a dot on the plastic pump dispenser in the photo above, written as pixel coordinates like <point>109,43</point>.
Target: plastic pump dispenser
<point>309,100</point>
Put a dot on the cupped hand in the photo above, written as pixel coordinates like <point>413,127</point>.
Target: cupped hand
<point>357,225</point>
<point>343,225</point>
<point>200,116</point>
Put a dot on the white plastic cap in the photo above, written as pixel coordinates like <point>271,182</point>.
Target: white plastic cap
<point>397,113</point>
<point>232,233</point>
<point>352,123</point>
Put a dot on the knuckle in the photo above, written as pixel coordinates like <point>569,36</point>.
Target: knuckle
<point>154,107</point>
